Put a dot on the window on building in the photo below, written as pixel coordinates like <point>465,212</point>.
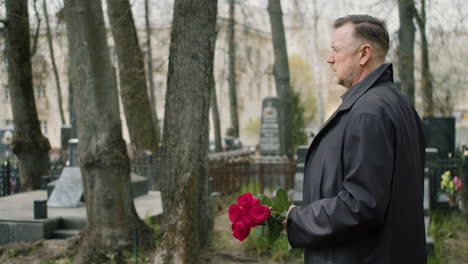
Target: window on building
<point>249,52</point>
<point>159,88</point>
<point>40,92</point>
<point>259,90</point>
<point>8,122</point>
<point>43,126</point>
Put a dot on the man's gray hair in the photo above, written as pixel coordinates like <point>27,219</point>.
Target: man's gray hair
<point>368,28</point>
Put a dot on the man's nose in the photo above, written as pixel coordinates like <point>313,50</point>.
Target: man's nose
<point>331,59</point>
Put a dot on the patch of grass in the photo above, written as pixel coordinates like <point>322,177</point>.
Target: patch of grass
<point>11,253</point>
<point>448,227</point>
<point>140,259</point>
<point>279,250</point>
<point>155,224</point>
<point>253,187</point>
<point>256,243</point>
<point>57,261</point>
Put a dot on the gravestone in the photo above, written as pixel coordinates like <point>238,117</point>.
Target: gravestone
<point>271,141</point>
<point>73,160</point>
<point>65,136</point>
<point>439,133</point>
<point>6,138</point>
<point>299,177</point>
<point>68,189</point>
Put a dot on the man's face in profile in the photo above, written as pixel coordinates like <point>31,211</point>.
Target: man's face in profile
<point>344,57</point>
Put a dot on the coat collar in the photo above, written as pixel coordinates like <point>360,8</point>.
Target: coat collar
<point>383,73</point>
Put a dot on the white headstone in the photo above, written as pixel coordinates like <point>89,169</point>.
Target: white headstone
<point>69,189</point>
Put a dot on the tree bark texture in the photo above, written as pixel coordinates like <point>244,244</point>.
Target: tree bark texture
<point>112,218</point>
<point>31,147</point>
<point>232,79</point>
<point>281,72</point>
<point>186,198</point>
<point>142,127</point>
<point>405,49</point>
<point>426,75</point>
<point>54,65</point>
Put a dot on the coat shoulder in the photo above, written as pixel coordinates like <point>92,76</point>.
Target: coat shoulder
<point>379,101</point>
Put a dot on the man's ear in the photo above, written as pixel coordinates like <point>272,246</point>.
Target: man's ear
<point>365,54</point>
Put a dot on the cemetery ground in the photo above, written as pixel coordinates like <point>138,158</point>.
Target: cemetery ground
<point>450,230</point>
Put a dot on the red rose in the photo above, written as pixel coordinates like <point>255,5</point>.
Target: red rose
<point>255,201</point>
<point>247,200</point>
<point>260,213</point>
<point>235,212</point>
<point>248,219</point>
<point>240,230</point>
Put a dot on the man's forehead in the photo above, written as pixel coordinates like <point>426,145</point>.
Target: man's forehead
<point>343,35</point>
<point>344,31</point>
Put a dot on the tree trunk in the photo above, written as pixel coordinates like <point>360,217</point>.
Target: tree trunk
<point>216,121</point>
<point>234,110</point>
<point>112,221</point>
<point>149,55</point>
<point>426,75</point>
<point>318,76</point>
<point>405,49</point>
<point>281,72</point>
<point>36,34</point>
<point>150,72</point>
<point>186,199</point>
<point>31,147</point>
<point>141,125</point>
<point>54,65</point>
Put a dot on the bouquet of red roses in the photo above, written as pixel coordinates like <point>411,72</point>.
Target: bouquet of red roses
<point>251,211</point>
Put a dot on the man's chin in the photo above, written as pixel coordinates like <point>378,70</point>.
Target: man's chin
<point>344,84</point>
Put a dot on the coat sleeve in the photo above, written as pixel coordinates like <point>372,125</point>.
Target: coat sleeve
<point>360,205</point>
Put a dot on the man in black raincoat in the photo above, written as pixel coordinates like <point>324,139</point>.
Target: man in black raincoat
<point>363,183</point>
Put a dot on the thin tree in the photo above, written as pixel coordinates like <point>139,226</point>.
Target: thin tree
<point>38,27</point>
<point>54,65</point>
<point>31,147</point>
<point>318,76</point>
<point>142,127</point>
<point>112,221</point>
<point>281,72</point>
<point>149,69</point>
<point>186,200</point>
<point>234,110</point>
<point>149,58</point>
<point>405,49</point>
<point>216,120</point>
<point>426,75</point>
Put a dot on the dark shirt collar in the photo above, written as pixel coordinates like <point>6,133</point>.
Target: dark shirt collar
<point>383,73</point>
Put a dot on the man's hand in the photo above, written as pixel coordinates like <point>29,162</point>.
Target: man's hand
<point>285,222</point>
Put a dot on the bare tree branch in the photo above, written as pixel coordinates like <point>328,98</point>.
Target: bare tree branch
<point>417,16</point>
<point>36,35</point>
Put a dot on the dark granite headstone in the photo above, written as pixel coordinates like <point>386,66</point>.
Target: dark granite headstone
<point>73,153</point>
<point>299,177</point>
<point>65,136</point>
<point>271,143</point>
<point>40,209</point>
<point>68,190</point>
